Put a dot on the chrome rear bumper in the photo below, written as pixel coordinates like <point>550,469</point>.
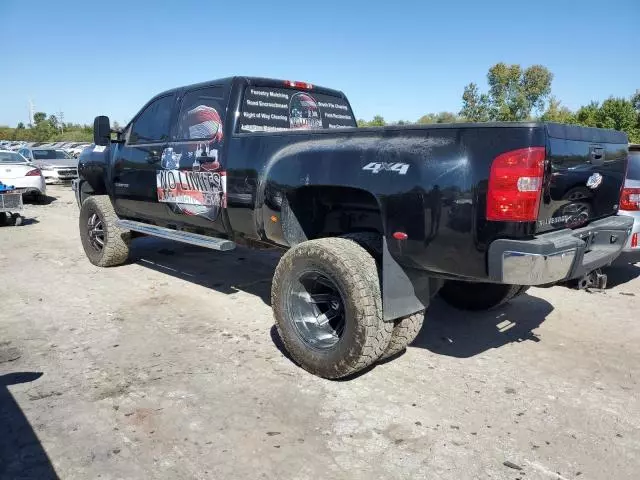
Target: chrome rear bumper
<point>558,256</point>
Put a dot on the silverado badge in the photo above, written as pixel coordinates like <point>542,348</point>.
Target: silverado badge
<point>594,181</point>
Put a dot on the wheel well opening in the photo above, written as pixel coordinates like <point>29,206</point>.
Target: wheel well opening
<point>324,211</point>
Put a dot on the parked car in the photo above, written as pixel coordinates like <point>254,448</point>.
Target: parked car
<point>363,212</point>
<point>17,171</point>
<point>77,149</point>
<point>56,165</point>
<point>630,206</point>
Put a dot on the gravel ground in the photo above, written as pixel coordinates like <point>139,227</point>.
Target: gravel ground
<point>169,367</point>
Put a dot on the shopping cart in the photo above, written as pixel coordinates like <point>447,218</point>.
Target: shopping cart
<point>10,204</point>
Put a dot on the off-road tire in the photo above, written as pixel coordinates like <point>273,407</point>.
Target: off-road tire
<point>479,296</point>
<point>116,240</point>
<point>365,336</point>
<point>405,331</point>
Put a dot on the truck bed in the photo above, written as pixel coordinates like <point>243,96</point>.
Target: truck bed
<point>440,201</point>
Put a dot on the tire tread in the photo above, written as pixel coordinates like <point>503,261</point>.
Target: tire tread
<point>116,245</point>
<point>357,267</point>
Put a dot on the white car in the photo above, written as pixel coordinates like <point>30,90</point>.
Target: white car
<point>56,165</point>
<point>78,149</point>
<point>630,206</point>
<point>17,171</point>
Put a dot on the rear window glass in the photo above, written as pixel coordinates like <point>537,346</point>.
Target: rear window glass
<point>10,157</point>
<point>49,154</point>
<point>267,109</point>
<point>634,166</point>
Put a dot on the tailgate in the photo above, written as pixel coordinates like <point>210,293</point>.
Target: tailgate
<point>584,176</point>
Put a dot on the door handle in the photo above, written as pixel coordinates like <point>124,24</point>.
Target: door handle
<point>596,152</point>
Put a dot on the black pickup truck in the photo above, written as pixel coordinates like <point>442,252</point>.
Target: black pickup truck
<point>376,221</point>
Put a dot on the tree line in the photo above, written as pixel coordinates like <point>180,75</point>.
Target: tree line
<point>520,94</point>
<point>47,128</point>
<point>514,94</point>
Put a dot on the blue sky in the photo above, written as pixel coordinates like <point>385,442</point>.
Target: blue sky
<point>401,59</point>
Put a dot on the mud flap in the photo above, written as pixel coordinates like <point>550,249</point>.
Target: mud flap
<point>398,293</point>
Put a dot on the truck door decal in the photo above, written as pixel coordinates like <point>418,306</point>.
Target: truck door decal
<point>191,180</point>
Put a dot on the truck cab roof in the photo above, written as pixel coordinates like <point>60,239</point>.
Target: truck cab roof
<point>262,81</point>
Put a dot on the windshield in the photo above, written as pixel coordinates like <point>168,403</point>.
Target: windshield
<point>49,154</point>
<point>11,157</point>
<point>634,165</point>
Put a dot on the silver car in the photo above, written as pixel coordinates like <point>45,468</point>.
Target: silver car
<point>56,165</point>
<point>630,206</point>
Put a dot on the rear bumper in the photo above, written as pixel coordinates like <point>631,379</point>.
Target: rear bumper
<point>30,185</point>
<point>558,256</point>
<point>629,253</point>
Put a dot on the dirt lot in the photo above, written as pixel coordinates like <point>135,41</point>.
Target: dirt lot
<point>169,367</point>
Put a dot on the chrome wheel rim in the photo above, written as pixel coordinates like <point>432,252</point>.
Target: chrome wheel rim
<point>95,232</point>
<point>317,306</point>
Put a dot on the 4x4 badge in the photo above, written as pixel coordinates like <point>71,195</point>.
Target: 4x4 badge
<point>594,181</point>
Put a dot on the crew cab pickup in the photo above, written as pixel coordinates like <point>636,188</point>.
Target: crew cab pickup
<point>375,221</point>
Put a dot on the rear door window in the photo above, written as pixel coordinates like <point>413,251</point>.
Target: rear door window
<point>152,125</point>
<point>201,115</point>
<point>268,109</point>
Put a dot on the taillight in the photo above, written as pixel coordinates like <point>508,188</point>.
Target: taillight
<point>634,240</point>
<point>33,173</point>
<point>302,85</point>
<point>630,199</point>
<point>515,185</point>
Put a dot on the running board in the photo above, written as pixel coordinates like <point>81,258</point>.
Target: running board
<point>177,235</point>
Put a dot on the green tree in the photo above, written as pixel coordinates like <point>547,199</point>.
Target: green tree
<point>475,106</point>
<point>39,117</point>
<point>42,129</point>
<point>442,117</point>
<point>555,112</point>
<point>20,126</point>
<point>619,114</point>
<point>53,122</point>
<point>587,114</point>
<point>513,94</point>
<point>635,99</point>
<point>378,121</point>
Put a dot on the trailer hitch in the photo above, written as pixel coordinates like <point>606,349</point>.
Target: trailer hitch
<point>595,280</point>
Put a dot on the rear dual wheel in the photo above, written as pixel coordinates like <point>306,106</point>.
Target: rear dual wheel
<point>328,308</point>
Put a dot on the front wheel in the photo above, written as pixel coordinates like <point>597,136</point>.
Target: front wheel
<point>479,296</point>
<point>327,307</point>
<point>104,243</point>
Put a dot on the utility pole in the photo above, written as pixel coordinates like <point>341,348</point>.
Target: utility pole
<point>31,112</point>
<point>61,121</point>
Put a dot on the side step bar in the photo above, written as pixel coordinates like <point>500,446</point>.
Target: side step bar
<point>177,235</point>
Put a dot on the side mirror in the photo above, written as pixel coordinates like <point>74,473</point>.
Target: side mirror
<point>101,130</point>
